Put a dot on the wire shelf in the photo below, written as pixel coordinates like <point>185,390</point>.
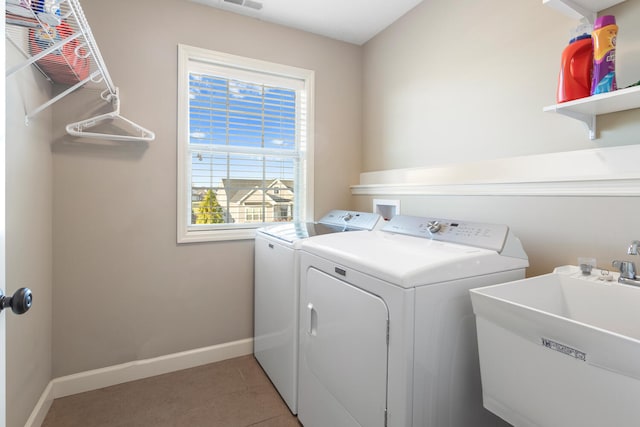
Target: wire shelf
<point>55,37</point>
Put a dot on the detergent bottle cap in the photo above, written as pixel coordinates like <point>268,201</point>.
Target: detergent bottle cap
<point>603,21</point>
<point>582,31</point>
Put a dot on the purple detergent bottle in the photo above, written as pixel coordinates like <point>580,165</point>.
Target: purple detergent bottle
<point>605,32</point>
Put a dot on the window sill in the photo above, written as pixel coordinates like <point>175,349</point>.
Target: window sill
<point>201,236</point>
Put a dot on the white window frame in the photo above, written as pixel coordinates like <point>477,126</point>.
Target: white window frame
<point>190,57</point>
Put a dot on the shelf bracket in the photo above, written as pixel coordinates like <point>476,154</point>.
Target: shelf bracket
<point>589,15</point>
<point>572,9</point>
<point>588,119</point>
<point>78,85</point>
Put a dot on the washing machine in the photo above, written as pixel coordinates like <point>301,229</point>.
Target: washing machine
<point>387,331</point>
<point>277,292</point>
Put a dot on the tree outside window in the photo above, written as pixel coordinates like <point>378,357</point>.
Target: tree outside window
<point>209,211</point>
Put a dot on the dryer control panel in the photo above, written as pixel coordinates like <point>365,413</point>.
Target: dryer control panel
<point>488,236</point>
<point>351,219</point>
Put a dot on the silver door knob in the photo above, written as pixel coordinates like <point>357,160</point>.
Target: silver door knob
<point>20,302</point>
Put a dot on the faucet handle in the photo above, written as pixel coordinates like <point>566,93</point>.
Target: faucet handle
<point>633,248</point>
<point>627,268</point>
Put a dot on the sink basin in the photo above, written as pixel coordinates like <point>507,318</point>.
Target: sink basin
<point>560,349</point>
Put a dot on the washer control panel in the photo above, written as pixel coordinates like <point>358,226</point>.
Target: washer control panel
<point>488,236</point>
<point>351,219</point>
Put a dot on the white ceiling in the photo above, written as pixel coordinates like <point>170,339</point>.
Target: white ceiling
<point>353,21</point>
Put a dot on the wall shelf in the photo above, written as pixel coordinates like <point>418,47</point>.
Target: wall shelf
<point>579,9</point>
<point>597,172</point>
<point>61,46</point>
<point>66,53</point>
<point>586,109</point>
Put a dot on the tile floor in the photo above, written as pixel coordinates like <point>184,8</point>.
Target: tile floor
<point>231,393</point>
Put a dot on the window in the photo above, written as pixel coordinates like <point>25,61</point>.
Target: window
<point>282,213</point>
<point>244,145</point>
<point>254,214</point>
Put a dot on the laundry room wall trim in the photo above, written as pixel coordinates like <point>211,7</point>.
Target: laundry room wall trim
<point>611,171</point>
<point>131,371</point>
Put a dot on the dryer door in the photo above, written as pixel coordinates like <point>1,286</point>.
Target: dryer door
<point>343,369</point>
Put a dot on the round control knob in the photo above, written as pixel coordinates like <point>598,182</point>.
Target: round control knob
<point>433,226</point>
<point>348,217</point>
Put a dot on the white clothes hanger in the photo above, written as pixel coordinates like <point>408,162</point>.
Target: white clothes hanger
<point>138,132</point>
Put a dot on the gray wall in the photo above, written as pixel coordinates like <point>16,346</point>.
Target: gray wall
<point>464,80</point>
<point>124,289</point>
<point>28,240</point>
<point>461,81</point>
<point>553,230</point>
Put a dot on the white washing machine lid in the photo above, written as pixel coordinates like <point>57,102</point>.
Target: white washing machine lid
<point>409,261</point>
<point>336,221</point>
<point>294,231</point>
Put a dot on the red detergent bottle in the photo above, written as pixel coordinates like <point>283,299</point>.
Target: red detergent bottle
<point>574,80</point>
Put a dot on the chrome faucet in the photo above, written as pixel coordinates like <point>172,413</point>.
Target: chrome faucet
<point>628,268</point>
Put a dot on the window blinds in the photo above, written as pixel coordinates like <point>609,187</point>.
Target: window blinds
<point>245,140</point>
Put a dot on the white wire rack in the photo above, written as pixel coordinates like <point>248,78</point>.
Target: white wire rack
<point>55,37</point>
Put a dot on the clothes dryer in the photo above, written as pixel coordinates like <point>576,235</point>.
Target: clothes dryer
<point>387,332</point>
<point>277,292</point>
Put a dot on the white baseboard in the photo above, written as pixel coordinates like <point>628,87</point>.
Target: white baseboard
<point>131,371</point>
<point>42,407</point>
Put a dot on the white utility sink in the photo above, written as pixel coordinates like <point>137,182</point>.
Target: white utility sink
<point>560,349</point>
